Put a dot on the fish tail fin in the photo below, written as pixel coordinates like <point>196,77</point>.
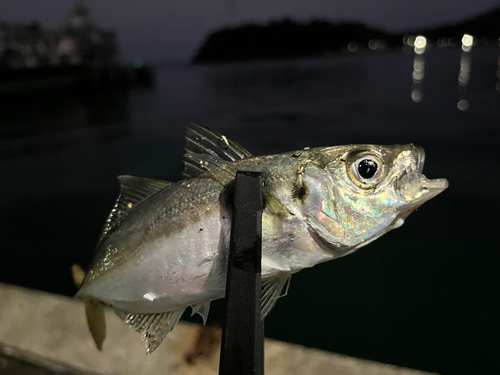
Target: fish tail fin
<point>96,321</point>
<point>78,274</point>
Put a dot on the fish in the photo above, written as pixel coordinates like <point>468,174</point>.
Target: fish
<point>164,246</point>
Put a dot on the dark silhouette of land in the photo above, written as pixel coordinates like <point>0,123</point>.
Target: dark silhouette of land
<point>291,39</point>
<point>284,39</point>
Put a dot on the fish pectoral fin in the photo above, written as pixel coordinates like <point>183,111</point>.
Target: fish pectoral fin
<point>134,190</point>
<point>96,321</point>
<point>153,327</point>
<point>273,204</point>
<point>78,274</point>
<point>271,290</point>
<point>201,309</point>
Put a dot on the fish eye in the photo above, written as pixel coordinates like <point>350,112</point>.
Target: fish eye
<point>365,170</point>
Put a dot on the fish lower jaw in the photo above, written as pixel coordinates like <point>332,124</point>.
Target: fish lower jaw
<point>416,189</point>
<point>398,221</point>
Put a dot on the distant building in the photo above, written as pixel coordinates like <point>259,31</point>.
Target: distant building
<point>78,42</point>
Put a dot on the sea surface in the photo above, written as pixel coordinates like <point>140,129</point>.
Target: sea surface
<point>424,296</point>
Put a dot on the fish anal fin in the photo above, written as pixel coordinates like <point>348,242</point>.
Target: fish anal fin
<point>78,274</point>
<point>271,291</point>
<point>134,190</point>
<point>201,309</point>
<point>153,327</point>
<point>96,321</point>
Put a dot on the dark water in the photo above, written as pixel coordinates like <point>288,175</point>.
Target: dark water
<point>424,296</point>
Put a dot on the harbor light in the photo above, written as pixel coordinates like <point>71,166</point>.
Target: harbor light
<point>352,47</point>
<point>374,44</point>
<point>420,44</point>
<point>463,105</point>
<point>467,42</point>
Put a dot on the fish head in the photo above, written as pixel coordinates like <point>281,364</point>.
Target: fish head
<point>351,195</point>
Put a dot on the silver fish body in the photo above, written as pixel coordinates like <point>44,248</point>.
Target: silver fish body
<point>165,245</point>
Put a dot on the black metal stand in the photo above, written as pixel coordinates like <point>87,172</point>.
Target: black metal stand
<point>242,351</point>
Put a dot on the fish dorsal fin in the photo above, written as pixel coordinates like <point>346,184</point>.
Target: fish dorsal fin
<point>223,171</point>
<point>202,140</point>
<point>271,291</point>
<point>133,191</point>
<point>201,309</point>
<point>153,327</point>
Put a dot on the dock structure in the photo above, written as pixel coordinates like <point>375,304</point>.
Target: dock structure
<point>50,331</point>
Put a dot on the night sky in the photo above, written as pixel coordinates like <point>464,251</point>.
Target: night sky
<point>169,31</point>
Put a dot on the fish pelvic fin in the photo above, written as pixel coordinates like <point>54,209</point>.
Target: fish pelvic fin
<point>153,327</point>
<point>271,290</point>
<point>134,190</point>
<point>78,274</point>
<point>96,321</point>
<point>201,309</point>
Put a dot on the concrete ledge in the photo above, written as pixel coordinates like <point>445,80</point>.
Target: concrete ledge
<point>50,331</point>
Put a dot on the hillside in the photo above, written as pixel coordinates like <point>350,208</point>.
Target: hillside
<point>291,39</point>
<point>284,39</point>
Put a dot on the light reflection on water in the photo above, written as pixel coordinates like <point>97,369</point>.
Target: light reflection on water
<point>464,76</point>
<point>418,75</point>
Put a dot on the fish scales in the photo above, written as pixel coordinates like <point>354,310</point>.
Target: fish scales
<point>171,229</point>
<point>178,213</point>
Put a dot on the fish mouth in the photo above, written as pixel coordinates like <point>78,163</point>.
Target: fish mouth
<point>415,189</point>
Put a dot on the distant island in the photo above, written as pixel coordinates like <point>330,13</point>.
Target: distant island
<point>292,39</point>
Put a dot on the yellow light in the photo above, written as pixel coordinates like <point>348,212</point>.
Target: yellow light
<point>420,42</point>
<point>467,40</point>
